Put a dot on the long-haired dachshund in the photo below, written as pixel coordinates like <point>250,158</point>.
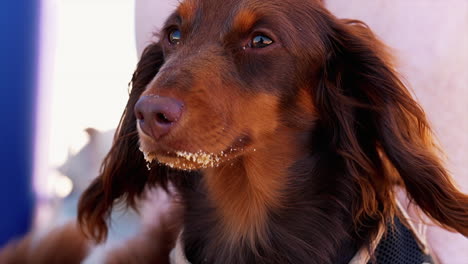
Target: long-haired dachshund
<point>283,131</point>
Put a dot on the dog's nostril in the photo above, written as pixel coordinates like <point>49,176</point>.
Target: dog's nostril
<point>139,116</point>
<point>162,119</point>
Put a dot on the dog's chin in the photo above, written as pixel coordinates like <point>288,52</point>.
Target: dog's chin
<point>191,161</point>
<point>183,158</point>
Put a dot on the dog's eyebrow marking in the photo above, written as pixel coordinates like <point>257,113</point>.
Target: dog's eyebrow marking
<point>244,20</point>
<point>186,10</point>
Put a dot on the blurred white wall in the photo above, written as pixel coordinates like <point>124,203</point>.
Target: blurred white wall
<point>88,55</point>
<point>150,16</point>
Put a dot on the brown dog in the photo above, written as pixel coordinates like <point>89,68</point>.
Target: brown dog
<point>283,128</point>
<point>284,131</point>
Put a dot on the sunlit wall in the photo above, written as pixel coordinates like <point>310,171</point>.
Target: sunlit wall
<point>88,55</point>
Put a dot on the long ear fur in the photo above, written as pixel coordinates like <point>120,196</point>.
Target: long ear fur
<point>380,131</point>
<point>123,173</point>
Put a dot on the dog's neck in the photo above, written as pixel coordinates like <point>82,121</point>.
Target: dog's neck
<point>272,200</point>
<point>246,189</point>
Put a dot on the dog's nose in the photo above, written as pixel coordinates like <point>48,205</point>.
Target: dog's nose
<point>157,114</point>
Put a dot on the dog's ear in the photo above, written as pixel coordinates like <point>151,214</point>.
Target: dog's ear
<point>124,174</point>
<point>379,130</point>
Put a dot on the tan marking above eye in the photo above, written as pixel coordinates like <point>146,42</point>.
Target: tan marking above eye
<point>244,21</point>
<point>187,9</point>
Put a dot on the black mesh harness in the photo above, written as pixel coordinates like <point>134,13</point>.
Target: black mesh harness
<point>400,246</point>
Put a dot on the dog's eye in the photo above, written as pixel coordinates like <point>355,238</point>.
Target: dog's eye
<point>175,36</point>
<point>260,41</point>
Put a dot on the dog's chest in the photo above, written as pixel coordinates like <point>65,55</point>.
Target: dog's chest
<point>401,245</point>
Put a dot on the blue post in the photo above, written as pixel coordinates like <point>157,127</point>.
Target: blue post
<point>19,21</point>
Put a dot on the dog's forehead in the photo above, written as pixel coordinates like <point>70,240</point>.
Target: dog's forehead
<point>190,9</point>
<point>234,14</point>
<point>200,14</point>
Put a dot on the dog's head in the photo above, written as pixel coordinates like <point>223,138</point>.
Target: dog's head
<point>227,76</point>
<point>224,85</point>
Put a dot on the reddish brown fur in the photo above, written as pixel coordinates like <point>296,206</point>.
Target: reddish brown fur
<point>246,188</point>
<point>63,245</point>
<point>328,128</point>
<point>187,10</point>
<point>244,20</point>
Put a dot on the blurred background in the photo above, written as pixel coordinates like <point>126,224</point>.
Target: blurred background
<point>76,58</point>
<point>64,72</point>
